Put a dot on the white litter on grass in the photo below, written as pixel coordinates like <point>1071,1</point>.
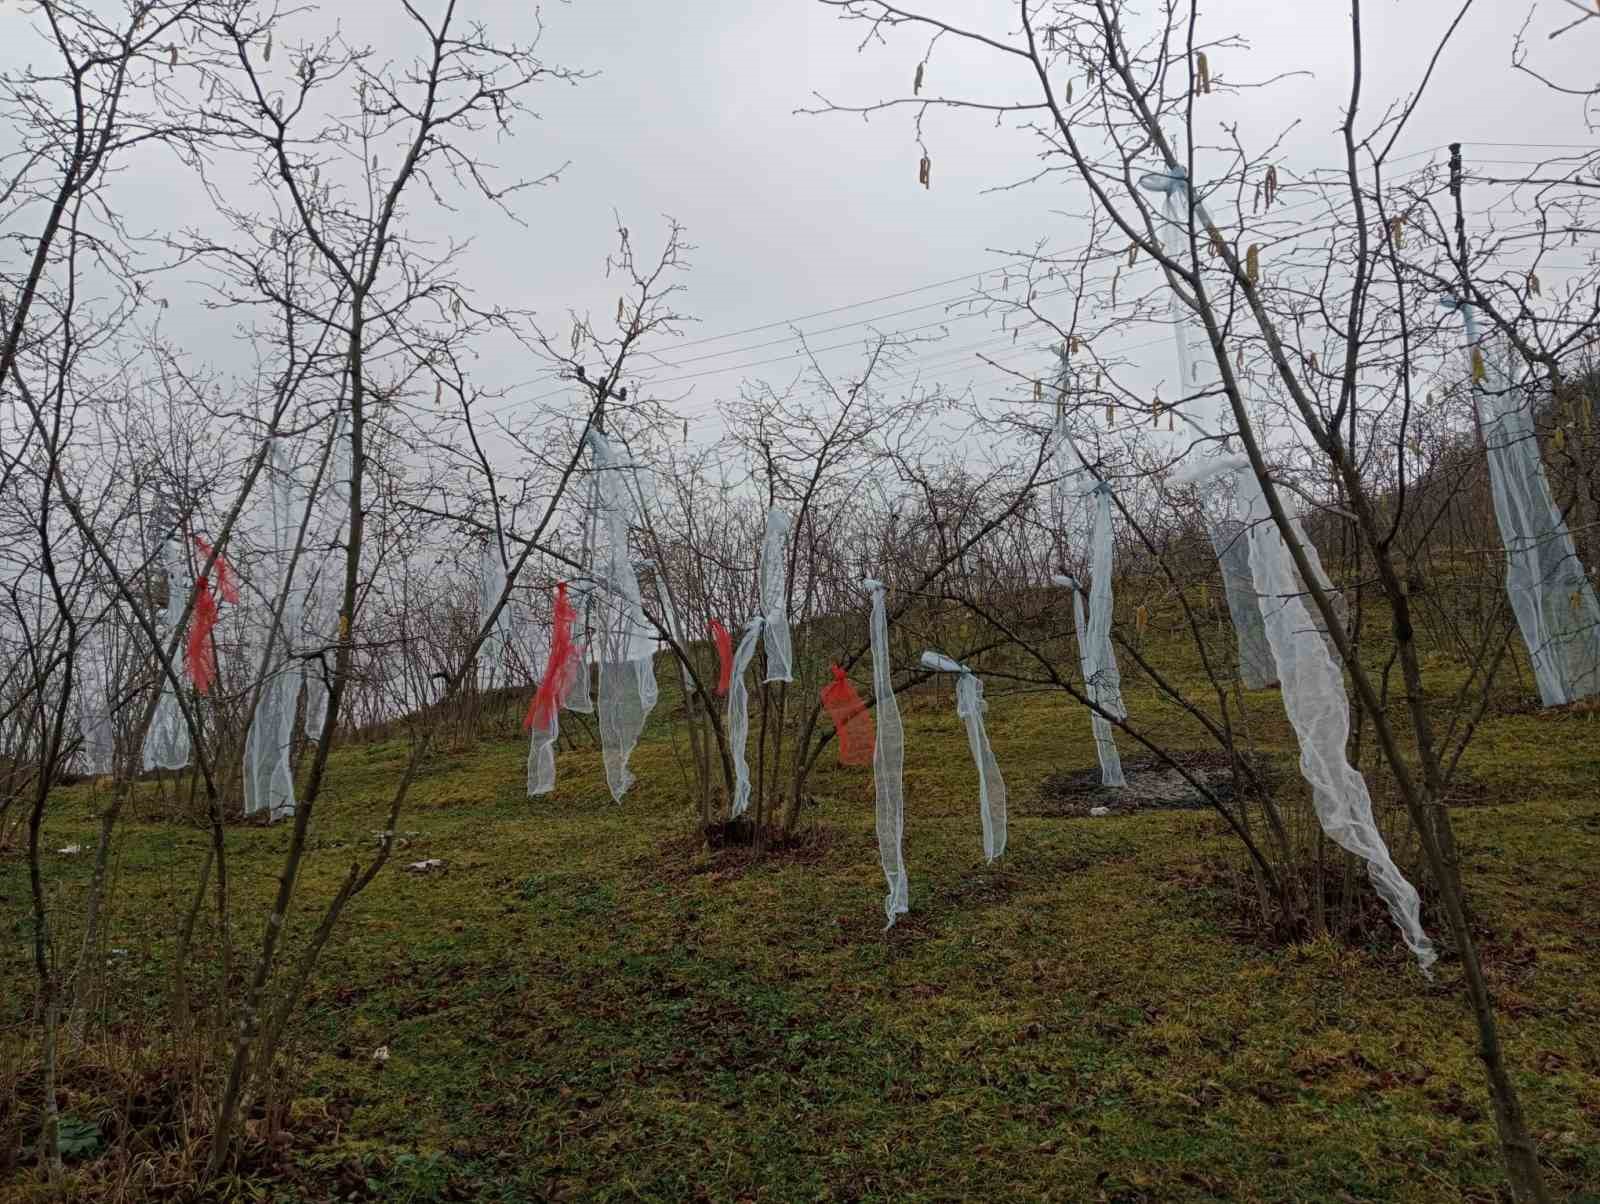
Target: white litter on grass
<point>424,867</point>
<point>1099,810</point>
<point>72,850</point>
<point>381,1054</point>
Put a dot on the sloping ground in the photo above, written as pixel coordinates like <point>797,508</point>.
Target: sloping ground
<point>583,1005</point>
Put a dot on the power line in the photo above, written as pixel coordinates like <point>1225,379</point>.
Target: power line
<point>970,298</point>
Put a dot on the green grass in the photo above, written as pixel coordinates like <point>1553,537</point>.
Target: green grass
<point>584,1005</point>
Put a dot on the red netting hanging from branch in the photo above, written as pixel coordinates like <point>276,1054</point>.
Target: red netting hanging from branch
<point>724,643</point>
<point>225,582</point>
<point>200,657</point>
<point>561,671</point>
<point>852,724</point>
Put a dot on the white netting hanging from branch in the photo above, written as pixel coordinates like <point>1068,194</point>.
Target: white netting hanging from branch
<point>775,596</point>
<point>1550,594</point>
<point>326,537</point>
<point>1218,504</point>
<point>166,744</point>
<point>494,652</point>
<point>1314,698</point>
<point>970,707</point>
<point>1096,657</point>
<point>1231,543</point>
<point>626,639</point>
<point>1104,742</point>
<point>739,714</point>
<point>1173,188</point>
<point>268,773</point>
<point>1100,659</point>
<point>1070,481</point>
<point>888,760</point>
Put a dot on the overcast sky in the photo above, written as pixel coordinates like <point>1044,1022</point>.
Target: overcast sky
<point>692,114</point>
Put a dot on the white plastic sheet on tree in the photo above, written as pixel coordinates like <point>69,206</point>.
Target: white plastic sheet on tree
<point>1551,595</point>
<point>166,744</point>
<point>268,772</point>
<point>739,714</point>
<point>494,652</point>
<point>970,707</point>
<point>627,685</point>
<point>775,597</point>
<point>325,597</point>
<point>1314,698</point>
<point>888,759</point>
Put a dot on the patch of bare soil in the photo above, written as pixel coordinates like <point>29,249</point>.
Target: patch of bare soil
<point>1151,785</point>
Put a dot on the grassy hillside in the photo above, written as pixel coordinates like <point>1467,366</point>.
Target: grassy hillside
<point>586,1004</point>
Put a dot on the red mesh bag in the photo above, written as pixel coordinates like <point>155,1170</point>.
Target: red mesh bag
<point>851,722</point>
<point>724,643</point>
<point>200,658</point>
<point>562,669</point>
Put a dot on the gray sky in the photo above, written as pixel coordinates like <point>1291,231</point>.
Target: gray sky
<point>793,214</point>
<point>692,115</point>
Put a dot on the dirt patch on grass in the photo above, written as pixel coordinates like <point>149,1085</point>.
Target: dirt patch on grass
<point>1151,785</point>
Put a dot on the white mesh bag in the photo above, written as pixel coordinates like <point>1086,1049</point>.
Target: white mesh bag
<point>739,714</point>
<point>166,744</point>
<point>970,707</point>
<point>627,684</point>
<point>775,597</point>
<point>888,760</point>
<point>1551,595</point>
<point>1104,741</point>
<point>1218,504</point>
<point>1314,698</point>
<point>542,755</point>
<point>268,772</point>
<point>493,653</point>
